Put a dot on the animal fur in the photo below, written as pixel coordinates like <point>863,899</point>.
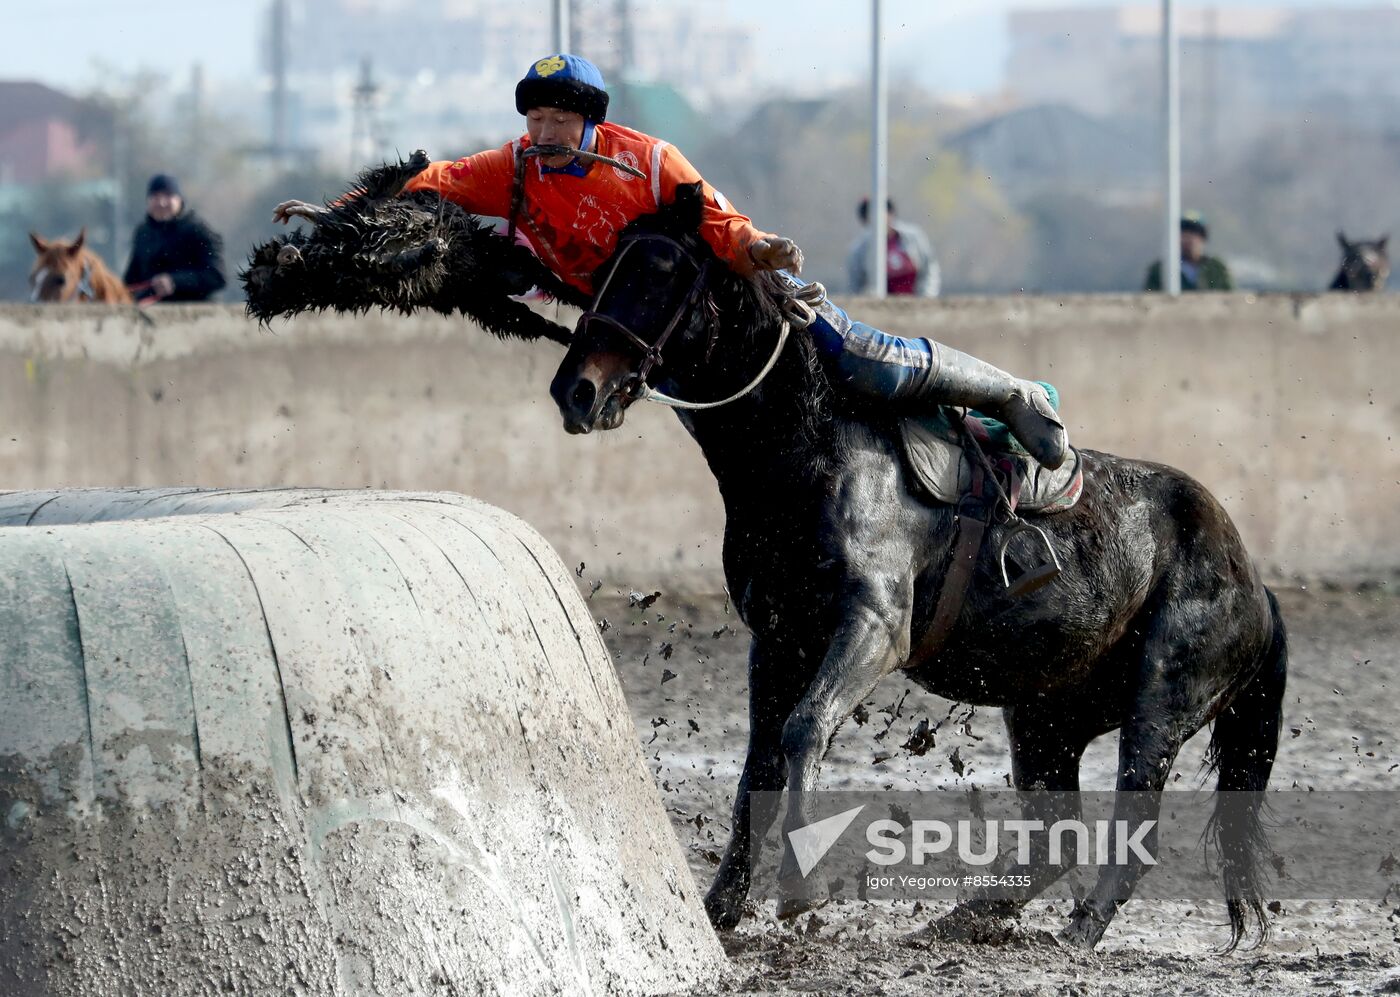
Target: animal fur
<point>378,248</point>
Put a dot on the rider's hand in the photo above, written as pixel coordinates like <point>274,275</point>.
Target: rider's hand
<point>776,253</point>
<point>163,285</point>
<point>288,210</point>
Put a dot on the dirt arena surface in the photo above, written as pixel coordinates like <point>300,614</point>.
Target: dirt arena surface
<point>683,665</point>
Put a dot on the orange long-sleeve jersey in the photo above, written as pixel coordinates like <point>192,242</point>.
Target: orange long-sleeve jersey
<point>573,221</point>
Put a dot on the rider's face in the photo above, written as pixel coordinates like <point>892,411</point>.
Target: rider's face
<point>1193,246</point>
<point>552,126</point>
<point>163,206</point>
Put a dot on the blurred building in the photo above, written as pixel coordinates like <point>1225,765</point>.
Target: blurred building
<point>46,134</point>
<point>1238,65</point>
<point>1055,148</point>
<point>445,70</point>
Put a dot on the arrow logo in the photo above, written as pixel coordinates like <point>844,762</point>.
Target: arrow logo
<point>810,843</point>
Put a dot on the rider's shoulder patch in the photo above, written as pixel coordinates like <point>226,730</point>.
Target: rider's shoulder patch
<point>630,158</point>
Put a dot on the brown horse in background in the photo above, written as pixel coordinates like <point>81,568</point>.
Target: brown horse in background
<point>66,272</point>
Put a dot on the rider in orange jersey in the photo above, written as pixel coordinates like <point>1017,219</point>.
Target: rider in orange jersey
<point>572,208</point>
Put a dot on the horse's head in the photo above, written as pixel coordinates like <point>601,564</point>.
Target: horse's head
<point>57,274</point>
<point>655,317</point>
<point>1365,264</point>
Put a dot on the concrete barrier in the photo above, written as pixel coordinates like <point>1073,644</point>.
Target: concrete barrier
<point>318,743</point>
<point>1286,407</point>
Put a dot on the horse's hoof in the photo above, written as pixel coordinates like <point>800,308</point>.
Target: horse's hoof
<point>790,907</point>
<point>1082,932</point>
<point>967,925</point>
<point>723,911</point>
<point>798,896</point>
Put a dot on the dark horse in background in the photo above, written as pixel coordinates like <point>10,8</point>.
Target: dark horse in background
<point>1365,265</point>
<point>1158,624</point>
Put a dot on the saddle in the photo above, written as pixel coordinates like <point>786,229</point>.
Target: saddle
<point>964,461</point>
<point>936,453</point>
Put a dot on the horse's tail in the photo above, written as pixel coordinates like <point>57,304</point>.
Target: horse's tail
<point>1243,744</point>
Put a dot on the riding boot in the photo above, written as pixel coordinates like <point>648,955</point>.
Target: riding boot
<point>956,378</point>
<point>894,367</point>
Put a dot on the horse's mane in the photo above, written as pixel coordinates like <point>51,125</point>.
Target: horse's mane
<point>752,306</point>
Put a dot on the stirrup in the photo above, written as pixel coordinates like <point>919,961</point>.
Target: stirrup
<point>1038,575</point>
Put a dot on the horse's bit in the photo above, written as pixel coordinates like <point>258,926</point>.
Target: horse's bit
<point>637,387</point>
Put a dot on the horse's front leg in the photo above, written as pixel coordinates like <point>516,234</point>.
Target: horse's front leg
<point>774,689</point>
<point>872,641</point>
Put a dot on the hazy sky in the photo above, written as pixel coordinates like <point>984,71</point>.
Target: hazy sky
<point>956,45</point>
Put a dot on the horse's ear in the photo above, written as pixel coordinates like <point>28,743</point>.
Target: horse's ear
<point>690,199</point>
<point>1380,243</point>
<point>77,246</point>
<point>40,246</point>
<point>1342,238</point>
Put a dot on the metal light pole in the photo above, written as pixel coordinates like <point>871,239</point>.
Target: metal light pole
<point>879,159</point>
<point>120,170</point>
<point>560,25</point>
<point>1171,113</point>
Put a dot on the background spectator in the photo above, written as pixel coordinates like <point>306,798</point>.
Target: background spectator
<point>175,256</point>
<point>1199,272</point>
<point>910,265</point>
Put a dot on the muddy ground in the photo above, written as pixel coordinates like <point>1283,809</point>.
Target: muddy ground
<point>683,666</point>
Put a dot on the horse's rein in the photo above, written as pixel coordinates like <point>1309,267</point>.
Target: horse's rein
<point>650,394</point>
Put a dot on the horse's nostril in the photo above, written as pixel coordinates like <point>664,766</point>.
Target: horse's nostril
<point>583,395</point>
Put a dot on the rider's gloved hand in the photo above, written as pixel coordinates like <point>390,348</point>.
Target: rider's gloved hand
<point>776,253</point>
<point>801,308</point>
<point>288,210</point>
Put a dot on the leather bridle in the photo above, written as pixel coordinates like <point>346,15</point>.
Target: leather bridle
<point>84,287</point>
<point>651,352</point>
<point>636,387</point>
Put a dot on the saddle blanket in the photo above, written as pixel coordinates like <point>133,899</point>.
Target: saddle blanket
<point>933,452</point>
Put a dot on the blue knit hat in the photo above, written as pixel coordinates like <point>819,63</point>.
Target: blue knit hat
<point>568,82</point>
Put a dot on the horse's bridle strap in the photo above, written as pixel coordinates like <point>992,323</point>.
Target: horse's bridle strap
<point>85,283</point>
<point>651,352</point>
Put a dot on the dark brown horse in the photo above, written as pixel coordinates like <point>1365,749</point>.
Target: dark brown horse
<point>69,271</point>
<point>1157,626</point>
<point>1365,265</point>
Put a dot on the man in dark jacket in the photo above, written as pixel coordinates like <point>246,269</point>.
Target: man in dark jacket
<point>175,256</point>
<point>1199,272</point>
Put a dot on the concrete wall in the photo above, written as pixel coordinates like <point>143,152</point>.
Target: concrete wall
<point>1286,407</point>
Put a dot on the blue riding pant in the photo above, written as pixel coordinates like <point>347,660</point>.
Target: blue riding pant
<point>866,359</point>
